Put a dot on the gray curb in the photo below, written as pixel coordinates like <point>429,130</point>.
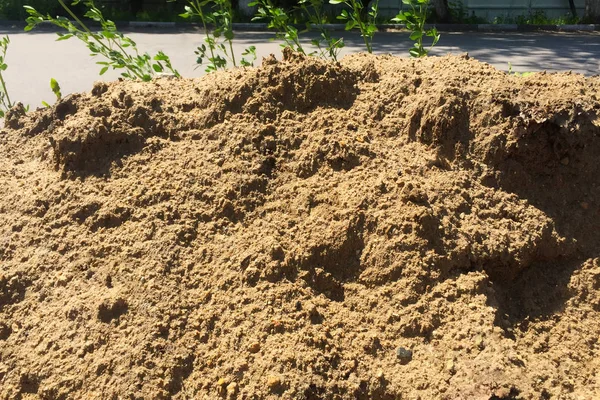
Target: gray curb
<point>144,24</point>
<point>244,26</point>
<point>249,26</point>
<point>498,27</point>
<point>575,28</point>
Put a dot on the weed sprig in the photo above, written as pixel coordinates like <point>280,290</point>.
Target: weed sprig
<point>354,19</point>
<point>119,50</point>
<point>5,103</point>
<point>327,46</point>
<point>279,20</point>
<point>518,74</point>
<point>217,48</point>
<point>415,22</point>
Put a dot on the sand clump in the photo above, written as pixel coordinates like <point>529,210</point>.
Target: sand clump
<point>382,228</point>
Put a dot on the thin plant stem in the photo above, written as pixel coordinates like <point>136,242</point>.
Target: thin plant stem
<point>232,53</point>
<point>85,28</point>
<point>5,91</point>
<point>201,15</point>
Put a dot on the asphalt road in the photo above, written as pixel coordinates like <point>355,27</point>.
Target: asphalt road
<point>33,58</point>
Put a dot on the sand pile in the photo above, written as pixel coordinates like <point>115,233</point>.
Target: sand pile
<point>382,228</point>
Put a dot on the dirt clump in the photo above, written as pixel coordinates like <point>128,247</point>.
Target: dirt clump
<point>381,228</point>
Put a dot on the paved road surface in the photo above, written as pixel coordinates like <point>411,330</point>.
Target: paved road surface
<point>34,58</point>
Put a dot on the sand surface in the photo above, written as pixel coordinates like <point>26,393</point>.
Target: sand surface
<point>382,228</point>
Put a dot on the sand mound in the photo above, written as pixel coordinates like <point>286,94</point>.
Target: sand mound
<point>381,228</point>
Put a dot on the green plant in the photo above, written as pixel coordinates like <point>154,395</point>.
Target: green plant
<point>327,46</point>
<point>460,14</point>
<point>279,20</point>
<point>12,10</point>
<point>309,11</point>
<point>55,87</point>
<point>414,18</point>
<point>355,19</point>
<point>5,103</point>
<point>217,48</point>
<point>519,74</point>
<point>539,17</point>
<point>251,52</point>
<point>566,20</point>
<point>536,18</point>
<point>119,50</point>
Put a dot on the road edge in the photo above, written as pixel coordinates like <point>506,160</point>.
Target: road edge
<point>243,26</point>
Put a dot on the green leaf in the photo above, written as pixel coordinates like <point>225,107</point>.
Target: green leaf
<point>157,67</point>
<point>54,85</point>
<point>432,32</point>
<point>416,35</point>
<point>108,34</point>
<point>103,70</point>
<point>336,1</point>
<point>45,104</point>
<point>63,36</point>
<point>160,56</point>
